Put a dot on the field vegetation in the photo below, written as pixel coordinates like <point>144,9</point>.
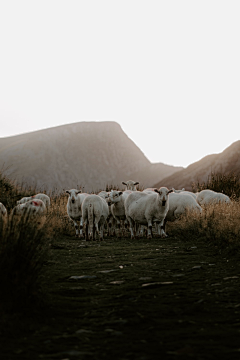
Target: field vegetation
<point>36,266</point>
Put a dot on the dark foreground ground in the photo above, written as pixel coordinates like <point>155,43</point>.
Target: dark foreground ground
<point>134,299</point>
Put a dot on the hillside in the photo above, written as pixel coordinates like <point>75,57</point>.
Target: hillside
<point>87,154</point>
<point>224,162</point>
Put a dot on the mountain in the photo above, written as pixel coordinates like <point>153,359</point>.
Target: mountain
<point>85,154</point>
<point>226,162</point>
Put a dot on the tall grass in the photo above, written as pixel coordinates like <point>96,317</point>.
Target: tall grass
<point>58,222</point>
<point>23,252</point>
<point>219,224</point>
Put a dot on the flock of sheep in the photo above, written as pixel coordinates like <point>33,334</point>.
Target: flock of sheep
<point>130,209</point>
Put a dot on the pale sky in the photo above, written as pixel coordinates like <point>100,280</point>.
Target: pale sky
<point>167,71</point>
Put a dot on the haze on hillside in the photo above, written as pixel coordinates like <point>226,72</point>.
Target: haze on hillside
<point>166,71</point>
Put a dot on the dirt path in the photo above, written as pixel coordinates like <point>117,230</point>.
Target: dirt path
<point>139,299</point>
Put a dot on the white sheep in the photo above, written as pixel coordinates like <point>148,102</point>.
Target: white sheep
<point>117,201</point>
<point>146,209</point>
<point>110,223</point>
<point>130,185</point>
<point>3,213</point>
<point>32,210</point>
<point>179,204</point>
<point>178,191</point>
<point>74,209</point>
<point>45,198</point>
<point>94,212</point>
<point>30,207</point>
<point>207,196</point>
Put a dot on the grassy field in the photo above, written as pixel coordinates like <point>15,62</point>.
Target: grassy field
<point>65,298</point>
<point>131,299</point>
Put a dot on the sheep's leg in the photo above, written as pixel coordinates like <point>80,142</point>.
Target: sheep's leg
<point>162,227</point>
<point>141,231</point>
<point>132,227</point>
<point>149,235</point>
<point>96,230</point>
<point>87,232</point>
<point>76,227</point>
<point>119,228</point>
<point>101,231</point>
<point>81,228</point>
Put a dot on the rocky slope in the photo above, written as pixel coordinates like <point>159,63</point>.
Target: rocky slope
<point>85,154</point>
<point>226,162</point>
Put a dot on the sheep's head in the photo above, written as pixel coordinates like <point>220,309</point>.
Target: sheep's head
<point>131,185</point>
<point>114,197</point>
<point>73,194</point>
<point>24,200</point>
<point>163,194</point>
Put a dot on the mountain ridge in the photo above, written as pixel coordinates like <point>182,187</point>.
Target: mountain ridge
<point>84,154</point>
<point>228,161</point>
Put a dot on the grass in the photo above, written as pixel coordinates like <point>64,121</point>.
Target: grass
<point>23,252</point>
<point>24,247</point>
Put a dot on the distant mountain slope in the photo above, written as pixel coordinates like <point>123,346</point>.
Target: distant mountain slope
<point>87,154</point>
<point>225,162</point>
<point>148,174</point>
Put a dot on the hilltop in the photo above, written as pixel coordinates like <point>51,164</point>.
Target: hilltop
<point>84,154</point>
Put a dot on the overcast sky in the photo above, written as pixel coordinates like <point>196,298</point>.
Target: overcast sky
<point>167,71</point>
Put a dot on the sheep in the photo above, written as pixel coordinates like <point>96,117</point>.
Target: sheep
<point>3,213</point>
<point>179,204</point>
<point>207,196</point>
<point>145,209</point>
<point>40,196</point>
<point>149,190</point>
<point>33,206</point>
<point>117,200</point>
<point>74,210</point>
<point>94,212</point>
<point>130,185</point>
<point>110,220</point>
<point>183,191</point>
<point>31,210</point>
<point>178,191</point>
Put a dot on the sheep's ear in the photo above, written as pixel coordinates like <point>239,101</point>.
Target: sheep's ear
<point>169,191</point>
<point>156,190</point>
<point>79,191</point>
<point>120,193</point>
<point>124,183</point>
<point>136,183</point>
<point>67,191</point>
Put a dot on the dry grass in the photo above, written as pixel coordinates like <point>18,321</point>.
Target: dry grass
<point>23,251</point>
<point>219,223</point>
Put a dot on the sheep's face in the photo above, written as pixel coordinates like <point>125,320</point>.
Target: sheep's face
<point>73,194</point>
<point>114,197</point>
<point>131,185</point>
<point>163,194</point>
